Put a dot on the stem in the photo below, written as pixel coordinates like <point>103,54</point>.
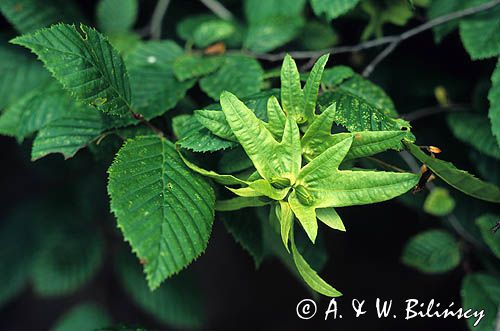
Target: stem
<point>147,123</point>
<point>428,111</point>
<point>395,39</point>
<point>218,9</point>
<point>385,164</point>
<point>157,18</point>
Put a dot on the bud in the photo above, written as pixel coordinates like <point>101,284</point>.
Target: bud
<point>304,196</point>
<point>280,182</point>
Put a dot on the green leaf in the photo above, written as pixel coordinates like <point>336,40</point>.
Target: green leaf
<point>355,114</point>
<point>317,35</point>
<point>85,63</point>
<point>68,257</point>
<point>276,118</point>
<point>459,179</point>
<point>330,217</point>
<point>475,130</point>
<point>234,161</point>
<point>256,10</point>
<point>433,251</point>
<point>370,93</point>
<point>272,32</point>
<point>68,133</point>
<point>311,89</point>
<point>194,136</point>
<point>84,317</point>
<point>30,15</point>
<point>494,98</point>
<point>485,224</point>
<point>318,138</point>
<point>481,292</point>
<point>116,16</point>
<point>439,202</point>
<point>336,75</point>
<point>19,74</point>
<point>332,8</point>
<point>155,88</point>
<point>479,34</point>
<point>212,31</point>
<point>177,302</point>
<point>192,66</point>
<point>164,210</point>
<point>16,260</point>
<point>246,230</point>
<point>310,276</point>
<point>270,158</point>
<point>286,218</point>
<point>215,121</point>
<point>292,96</point>
<point>240,75</point>
<point>239,203</point>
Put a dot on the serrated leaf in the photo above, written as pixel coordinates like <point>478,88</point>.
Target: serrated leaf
<point>317,35</point>
<point>475,130</point>
<point>30,15</point>
<point>177,302</point>
<point>240,75</point>
<point>67,259</point>
<point>246,230</point>
<point>192,66</point>
<point>234,161</point>
<point>433,251</point>
<point>212,31</point>
<point>155,88</point>
<point>215,121</point>
<point>19,74</point>
<point>439,202</point>
<point>116,16</point>
<point>332,8</point>
<point>364,89</point>
<point>479,34</point>
<point>270,158</point>
<point>84,317</point>
<point>311,89</point>
<point>494,98</point>
<point>481,292</point>
<point>486,223</point>
<point>164,210</point>
<point>292,96</point>
<point>85,63</point>
<point>68,133</point>
<point>357,115</point>
<point>194,136</point>
<point>459,179</point>
<point>272,32</point>
<point>310,276</point>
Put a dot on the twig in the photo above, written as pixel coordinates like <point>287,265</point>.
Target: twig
<point>451,218</point>
<point>218,9</point>
<point>157,18</point>
<point>424,27</point>
<point>147,123</point>
<point>434,110</point>
<point>385,164</point>
<point>395,39</point>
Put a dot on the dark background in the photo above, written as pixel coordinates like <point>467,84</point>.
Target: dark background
<point>364,262</point>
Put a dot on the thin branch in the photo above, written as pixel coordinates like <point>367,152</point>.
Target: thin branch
<point>434,110</point>
<point>451,218</point>
<point>157,18</point>
<point>147,123</point>
<point>424,27</point>
<point>385,164</point>
<point>218,9</point>
<point>395,39</point>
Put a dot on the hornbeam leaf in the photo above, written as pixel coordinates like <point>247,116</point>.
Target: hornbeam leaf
<point>271,159</point>
<point>475,130</point>
<point>311,88</point>
<point>163,209</point>
<point>459,179</point>
<point>356,114</point>
<point>310,276</point>
<point>191,66</point>
<point>485,223</point>
<point>116,16</point>
<point>479,34</point>
<point>332,8</point>
<point>178,302</point>
<point>83,317</point>
<point>292,96</point>
<point>85,63</point>
<point>481,291</point>
<point>30,15</point>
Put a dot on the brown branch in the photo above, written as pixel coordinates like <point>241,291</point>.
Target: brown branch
<point>147,123</point>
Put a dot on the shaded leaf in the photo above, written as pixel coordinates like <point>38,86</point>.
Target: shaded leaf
<point>192,66</point>
<point>116,16</point>
<point>332,8</point>
<point>494,98</point>
<point>439,202</point>
<point>479,34</point>
<point>84,317</point>
<point>486,223</point>
<point>481,291</point>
